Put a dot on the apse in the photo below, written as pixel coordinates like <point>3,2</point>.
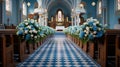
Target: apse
<point>59,4</point>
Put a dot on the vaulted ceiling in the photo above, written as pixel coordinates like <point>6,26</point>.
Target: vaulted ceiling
<point>53,5</point>
<point>68,3</point>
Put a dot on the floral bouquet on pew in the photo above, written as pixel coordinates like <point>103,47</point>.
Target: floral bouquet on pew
<point>90,30</point>
<point>28,30</point>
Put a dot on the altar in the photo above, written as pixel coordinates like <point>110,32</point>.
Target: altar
<point>60,28</point>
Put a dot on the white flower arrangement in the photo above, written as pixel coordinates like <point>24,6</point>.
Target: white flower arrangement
<point>88,31</point>
<point>27,30</point>
<point>91,29</point>
<point>30,30</point>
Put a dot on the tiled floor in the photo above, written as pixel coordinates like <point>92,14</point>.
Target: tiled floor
<point>58,52</point>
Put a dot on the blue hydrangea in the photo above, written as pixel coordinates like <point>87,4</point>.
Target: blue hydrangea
<point>99,34</point>
<point>20,32</point>
<point>90,36</point>
<point>90,23</point>
<point>94,28</point>
<point>27,37</point>
<point>82,33</point>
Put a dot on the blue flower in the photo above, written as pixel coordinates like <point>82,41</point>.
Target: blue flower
<point>82,33</point>
<point>90,36</point>
<point>20,32</point>
<point>99,34</point>
<point>90,23</point>
<point>21,25</point>
<point>26,29</point>
<point>94,28</point>
<point>27,37</point>
<point>82,26</point>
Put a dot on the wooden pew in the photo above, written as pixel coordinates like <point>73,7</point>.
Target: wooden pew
<point>106,48</point>
<point>19,48</point>
<point>92,49</point>
<point>118,51</point>
<point>6,48</point>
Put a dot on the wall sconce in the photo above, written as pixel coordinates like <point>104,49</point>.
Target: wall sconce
<point>93,3</point>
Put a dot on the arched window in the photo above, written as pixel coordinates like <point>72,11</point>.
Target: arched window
<point>59,16</point>
<point>100,7</point>
<point>8,6</point>
<point>24,6</point>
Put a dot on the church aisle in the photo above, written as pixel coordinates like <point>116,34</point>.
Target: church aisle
<point>58,52</point>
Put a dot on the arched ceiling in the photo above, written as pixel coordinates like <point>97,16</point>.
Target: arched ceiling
<point>48,3</point>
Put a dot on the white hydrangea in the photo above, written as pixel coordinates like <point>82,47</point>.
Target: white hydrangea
<point>87,28</point>
<point>31,35</point>
<point>87,32</point>
<point>94,24</point>
<point>94,19</point>
<point>97,22</point>
<point>26,23</point>
<point>26,31</point>
<point>84,30</point>
<point>86,35</point>
<point>35,37</point>
<point>85,23</point>
<point>30,31</point>
<point>32,20</point>
<point>94,35</point>
<point>34,31</point>
<point>29,27</point>
<point>94,32</point>
<point>99,29</point>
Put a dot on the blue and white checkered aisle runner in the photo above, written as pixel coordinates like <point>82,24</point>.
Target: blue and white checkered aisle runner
<point>58,52</point>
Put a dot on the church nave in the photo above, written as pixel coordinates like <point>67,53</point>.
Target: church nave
<point>58,51</point>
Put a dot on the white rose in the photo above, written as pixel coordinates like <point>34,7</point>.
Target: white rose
<point>26,31</point>
<point>26,23</point>
<point>94,32</point>
<point>30,31</point>
<point>34,31</point>
<point>87,32</point>
<point>31,35</point>
<point>35,37</point>
<point>84,30</point>
<point>94,19</point>
<point>29,27</point>
<point>99,29</point>
<point>85,35</point>
<point>87,28</point>
<point>94,35</point>
<point>94,24</point>
<point>97,22</point>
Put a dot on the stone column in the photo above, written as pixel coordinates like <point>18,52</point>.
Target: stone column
<point>78,20</point>
<point>75,20</point>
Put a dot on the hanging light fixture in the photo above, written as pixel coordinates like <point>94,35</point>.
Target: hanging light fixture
<point>28,4</point>
<point>93,3</point>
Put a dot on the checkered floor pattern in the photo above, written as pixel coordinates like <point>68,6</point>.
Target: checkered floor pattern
<point>58,52</point>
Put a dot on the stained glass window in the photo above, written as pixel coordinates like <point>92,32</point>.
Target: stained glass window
<point>59,16</point>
